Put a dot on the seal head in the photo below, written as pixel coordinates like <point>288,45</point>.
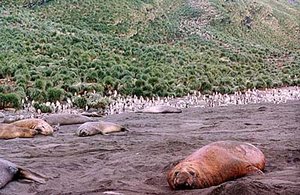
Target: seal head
<point>184,176</point>
<point>39,125</point>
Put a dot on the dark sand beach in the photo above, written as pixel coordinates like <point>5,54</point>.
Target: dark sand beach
<point>136,162</point>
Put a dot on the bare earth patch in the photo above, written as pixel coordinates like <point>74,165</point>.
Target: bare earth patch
<point>135,162</point>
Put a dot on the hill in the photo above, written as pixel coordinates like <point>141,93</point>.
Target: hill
<point>52,49</point>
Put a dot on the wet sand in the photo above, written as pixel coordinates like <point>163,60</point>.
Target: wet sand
<point>136,162</point>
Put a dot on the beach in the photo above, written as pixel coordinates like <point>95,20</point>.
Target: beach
<point>135,162</point>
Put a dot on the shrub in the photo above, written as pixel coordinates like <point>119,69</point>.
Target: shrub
<point>108,81</point>
<point>40,84</point>
<point>73,89</point>
<point>10,100</point>
<point>48,85</point>
<point>91,77</point>
<point>260,83</point>
<point>153,80</point>
<point>139,83</point>
<point>55,94</point>
<point>44,108</point>
<point>286,80</point>
<point>138,91</point>
<point>80,102</point>
<point>206,86</point>
<point>250,84</point>
<point>179,91</point>
<point>100,104</point>
<point>20,91</point>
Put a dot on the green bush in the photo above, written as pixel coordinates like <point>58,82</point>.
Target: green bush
<point>40,84</point>
<point>91,77</point>
<point>206,86</point>
<point>80,102</point>
<point>99,104</point>
<point>36,94</point>
<point>44,108</point>
<point>55,94</point>
<point>10,100</point>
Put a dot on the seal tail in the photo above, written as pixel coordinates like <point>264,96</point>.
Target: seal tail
<point>26,174</point>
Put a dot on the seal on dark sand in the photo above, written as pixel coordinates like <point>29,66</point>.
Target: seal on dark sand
<point>160,109</point>
<point>41,126</point>
<point>9,131</point>
<point>216,163</point>
<point>93,128</point>
<point>66,119</point>
<point>10,171</point>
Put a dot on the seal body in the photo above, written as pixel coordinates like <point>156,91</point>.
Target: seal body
<point>13,118</point>
<point>9,131</point>
<point>93,128</point>
<point>41,126</point>
<point>161,109</point>
<point>10,171</point>
<point>216,163</point>
<point>66,119</point>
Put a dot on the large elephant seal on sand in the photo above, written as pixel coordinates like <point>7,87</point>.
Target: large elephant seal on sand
<point>66,119</point>
<point>216,163</point>
<point>10,171</point>
<point>160,109</point>
<point>41,126</point>
<point>93,128</point>
<point>9,131</point>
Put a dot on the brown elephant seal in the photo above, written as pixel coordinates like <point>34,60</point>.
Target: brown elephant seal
<point>66,119</point>
<point>9,131</point>
<point>160,109</point>
<point>41,126</point>
<point>216,163</point>
<point>93,128</point>
<point>10,171</point>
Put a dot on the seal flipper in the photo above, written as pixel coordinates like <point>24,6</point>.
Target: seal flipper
<point>26,174</point>
<point>124,129</point>
<point>252,170</point>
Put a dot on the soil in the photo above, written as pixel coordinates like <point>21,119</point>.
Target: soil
<point>136,162</point>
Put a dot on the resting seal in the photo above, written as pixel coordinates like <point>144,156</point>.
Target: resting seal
<point>41,126</point>
<point>161,109</point>
<point>216,163</point>
<point>13,118</point>
<point>9,131</point>
<point>66,119</point>
<point>10,171</point>
<point>93,128</point>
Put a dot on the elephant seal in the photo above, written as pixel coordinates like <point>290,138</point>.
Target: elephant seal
<point>10,171</point>
<point>93,128</point>
<point>13,118</point>
<point>216,163</point>
<point>9,131</point>
<point>66,119</point>
<point>41,126</point>
<point>160,109</point>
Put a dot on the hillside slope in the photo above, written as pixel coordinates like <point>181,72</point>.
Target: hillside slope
<point>147,47</point>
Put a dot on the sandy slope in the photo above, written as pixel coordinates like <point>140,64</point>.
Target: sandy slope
<point>135,163</point>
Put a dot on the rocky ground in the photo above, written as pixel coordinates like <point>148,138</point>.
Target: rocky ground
<point>136,162</point>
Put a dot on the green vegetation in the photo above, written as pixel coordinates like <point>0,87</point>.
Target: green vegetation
<point>53,49</point>
<point>42,107</point>
<point>10,100</point>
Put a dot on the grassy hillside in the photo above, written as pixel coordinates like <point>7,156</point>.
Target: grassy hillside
<point>52,49</point>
